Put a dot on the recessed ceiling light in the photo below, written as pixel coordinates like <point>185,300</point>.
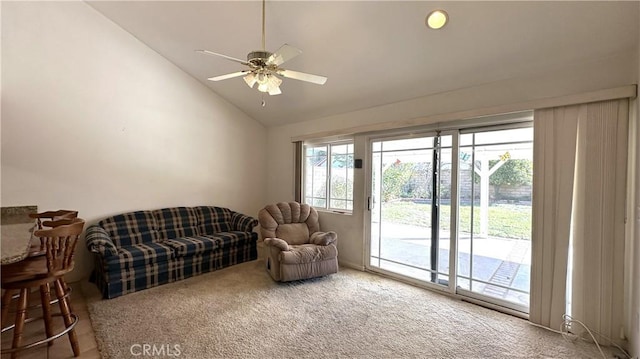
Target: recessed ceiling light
<point>437,19</point>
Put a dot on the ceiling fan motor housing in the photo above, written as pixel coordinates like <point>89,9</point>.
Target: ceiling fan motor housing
<point>258,58</point>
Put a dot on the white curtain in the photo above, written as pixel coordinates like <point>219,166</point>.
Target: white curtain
<point>554,148</point>
<point>579,187</point>
<point>599,217</point>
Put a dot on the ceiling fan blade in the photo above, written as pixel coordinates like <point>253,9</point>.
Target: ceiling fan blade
<point>228,76</point>
<point>320,80</point>
<point>224,56</point>
<point>284,53</point>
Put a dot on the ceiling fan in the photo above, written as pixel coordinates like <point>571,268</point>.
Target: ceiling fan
<point>264,66</point>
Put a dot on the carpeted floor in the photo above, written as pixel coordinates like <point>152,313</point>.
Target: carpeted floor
<point>239,312</point>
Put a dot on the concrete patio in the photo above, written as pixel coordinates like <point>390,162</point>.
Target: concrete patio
<point>504,263</point>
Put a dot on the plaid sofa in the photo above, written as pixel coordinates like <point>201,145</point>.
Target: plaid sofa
<point>143,249</point>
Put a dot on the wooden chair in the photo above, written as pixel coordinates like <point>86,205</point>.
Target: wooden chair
<point>39,249</point>
<point>42,272</point>
<point>54,219</point>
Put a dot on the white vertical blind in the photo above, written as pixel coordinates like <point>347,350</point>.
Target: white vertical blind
<point>598,218</point>
<point>554,147</point>
<point>579,190</point>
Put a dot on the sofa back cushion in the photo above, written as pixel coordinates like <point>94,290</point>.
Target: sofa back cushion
<point>131,228</point>
<point>176,222</point>
<point>213,219</point>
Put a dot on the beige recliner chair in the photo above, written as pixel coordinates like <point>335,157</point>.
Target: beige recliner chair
<point>296,249</point>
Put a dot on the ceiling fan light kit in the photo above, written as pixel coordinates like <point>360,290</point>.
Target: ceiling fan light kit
<point>266,82</point>
<point>264,66</point>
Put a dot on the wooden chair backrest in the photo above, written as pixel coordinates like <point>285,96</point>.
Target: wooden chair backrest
<point>60,244</point>
<point>53,215</point>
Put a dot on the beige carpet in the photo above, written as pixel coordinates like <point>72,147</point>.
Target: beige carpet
<point>239,312</point>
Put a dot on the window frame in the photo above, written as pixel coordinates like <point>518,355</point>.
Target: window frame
<point>328,175</point>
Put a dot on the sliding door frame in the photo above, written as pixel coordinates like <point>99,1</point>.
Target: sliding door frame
<point>455,129</point>
<point>511,306</point>
<point>451,286</point>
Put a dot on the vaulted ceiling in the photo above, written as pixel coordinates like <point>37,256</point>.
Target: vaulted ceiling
<point>375,52</point>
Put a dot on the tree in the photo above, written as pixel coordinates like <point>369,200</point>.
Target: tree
<point>394,179</point>
<point>512,173</point>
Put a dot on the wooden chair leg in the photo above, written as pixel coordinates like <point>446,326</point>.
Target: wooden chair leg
<point>66,288</point>
<point>66,315</point>
<point>21,315</point>
<point>45,300</point>
<point>6,301</point>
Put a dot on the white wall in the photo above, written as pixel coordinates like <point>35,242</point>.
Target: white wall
<point>94,120</point>
<point>634,338</point>
<point>613,71</point>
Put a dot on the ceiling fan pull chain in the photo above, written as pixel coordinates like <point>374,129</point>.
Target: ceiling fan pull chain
<point>264,104</point>
<point>264,48</point>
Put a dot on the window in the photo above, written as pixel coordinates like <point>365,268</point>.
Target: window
<point>328,175</point>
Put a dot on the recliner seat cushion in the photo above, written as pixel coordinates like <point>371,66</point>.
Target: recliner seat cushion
<point>307,253</point>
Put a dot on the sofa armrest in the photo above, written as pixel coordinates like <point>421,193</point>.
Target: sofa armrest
<point>323,238</point>
<point>98,241</point>
<point>242,223</point>
<point>277,243</point>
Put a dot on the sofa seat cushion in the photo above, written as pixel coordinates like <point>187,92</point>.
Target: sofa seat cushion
<point>306,253</point>
<point>233,238</point>
<point>140,255</point>
<point>190,246</point>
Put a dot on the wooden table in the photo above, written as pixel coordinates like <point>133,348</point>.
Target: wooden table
<point>17,233</point>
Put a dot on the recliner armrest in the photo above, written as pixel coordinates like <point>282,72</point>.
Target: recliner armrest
<point>277,242</point>
<point>323,238</point>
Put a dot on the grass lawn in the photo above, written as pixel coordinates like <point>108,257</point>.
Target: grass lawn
<point>506,221</point>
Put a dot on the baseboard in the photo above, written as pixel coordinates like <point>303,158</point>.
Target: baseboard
<point>351,265</point>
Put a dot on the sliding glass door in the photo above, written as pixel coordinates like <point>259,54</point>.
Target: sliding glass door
<point>461,197</point>
<point>494,242</point>
<point>410,181</point>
